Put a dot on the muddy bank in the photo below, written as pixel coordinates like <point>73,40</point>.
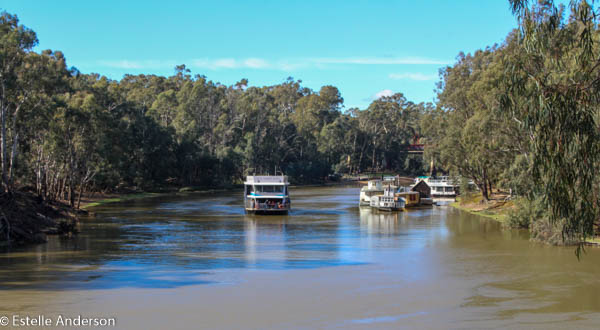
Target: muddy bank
<point>27,219</point>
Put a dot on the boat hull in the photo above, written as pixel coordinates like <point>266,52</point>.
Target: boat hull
<point>267,212</point>
<point>426,201</point>
<point>388,209</point>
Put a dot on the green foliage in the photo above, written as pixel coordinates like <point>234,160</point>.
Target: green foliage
<point>526,212</point>
<point>518,178</point>
<point>465,188</point>
<point>555,92</point>
<point>465,133</point>
<point>524,116</point>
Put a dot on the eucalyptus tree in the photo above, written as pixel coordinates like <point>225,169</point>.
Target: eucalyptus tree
<point>391,123</point>
<point>16,86</point>
<point>336,153</point>
<point>466,133</point>
<point>555,90</point>
<point>312,113</point>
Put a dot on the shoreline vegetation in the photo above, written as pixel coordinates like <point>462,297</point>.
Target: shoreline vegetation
<point>497,208</point>
<point>504,210</point>
<point>102,199</point>
<point>27,219</point>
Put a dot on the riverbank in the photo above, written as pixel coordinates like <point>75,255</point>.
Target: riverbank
<point>101,199</point>
<point>497,208</point>
<point>27,219</point>
<point>97,199</point>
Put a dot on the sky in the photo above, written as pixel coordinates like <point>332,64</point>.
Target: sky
<point>365,48</point>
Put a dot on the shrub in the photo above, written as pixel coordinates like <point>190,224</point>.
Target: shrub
<point>525,213</point>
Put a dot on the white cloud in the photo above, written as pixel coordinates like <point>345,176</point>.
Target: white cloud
<point>280,65</point>
<point>286,65</point>
<point>382,93</point>
<point>200,63</point>
<point>413,76</point>
<point>124,64</point>
<point>382,61</point>
<point>146,64</point>
<point>228,63</point>
<point>256,63</point>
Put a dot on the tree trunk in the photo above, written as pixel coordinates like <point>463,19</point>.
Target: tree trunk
<point>360,158</point>
<point>484,188</point>
<point>350,165</point>
<point>373,160</point>
<point>13,155</point>
<point>81,187</point>
<point>13,152</point>
<point>431,166</point>
<point>3,145</point>
<point>71,193</point>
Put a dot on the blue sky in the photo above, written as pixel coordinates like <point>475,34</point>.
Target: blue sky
<point>365,48</point>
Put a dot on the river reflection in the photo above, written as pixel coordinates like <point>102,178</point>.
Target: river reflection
<point>379,223</point>
<point>173,242</point>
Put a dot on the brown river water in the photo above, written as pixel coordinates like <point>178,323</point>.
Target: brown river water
<point>197,261</point>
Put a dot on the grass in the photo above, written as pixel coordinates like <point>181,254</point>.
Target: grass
<point>183,190</point>
<point>122,198</point>
<point>594,240</point>
<point>473,204</point>
<point>498,211</point>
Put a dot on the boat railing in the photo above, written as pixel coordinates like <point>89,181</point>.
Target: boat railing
<point>438,181</point>
<point>266,206</point>
<point>442,182</point>
<point>262,193</point>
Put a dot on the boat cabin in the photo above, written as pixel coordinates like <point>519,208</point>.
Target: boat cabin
<point>387,201</point>
<point>441,186</point>
<point>267,194</point>
<point>422,188</point>
<point>412,198</point>
<point>373,188</point>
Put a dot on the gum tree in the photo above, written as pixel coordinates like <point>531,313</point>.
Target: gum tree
<point>554,93</point>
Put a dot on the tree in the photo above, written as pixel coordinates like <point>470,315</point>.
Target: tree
<point>16,42</point>
<point>555,91</point>
<point>467,134</point>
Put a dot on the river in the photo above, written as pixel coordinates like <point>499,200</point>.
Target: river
<point>197,261</point>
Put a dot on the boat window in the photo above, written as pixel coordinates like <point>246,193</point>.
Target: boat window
<point>449,189</point>
<point>270,189</point>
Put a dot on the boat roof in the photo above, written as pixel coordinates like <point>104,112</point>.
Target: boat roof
<point>267,180</point>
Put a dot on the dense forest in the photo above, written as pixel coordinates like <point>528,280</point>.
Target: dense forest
<point>65,132</point>
<point>524,116</point>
